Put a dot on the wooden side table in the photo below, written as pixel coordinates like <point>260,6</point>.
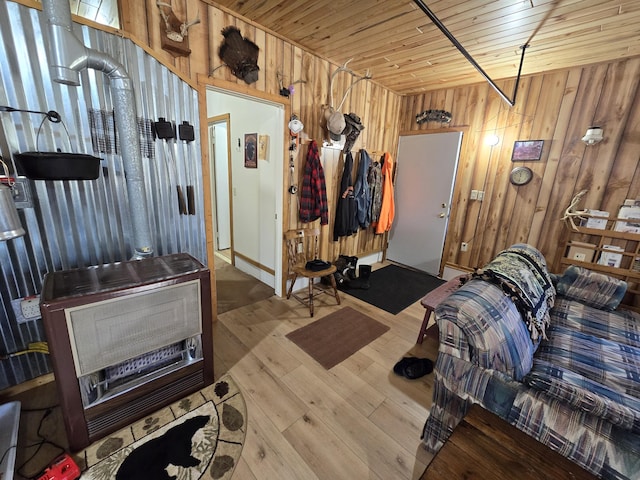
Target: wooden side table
<point>485,446</point>
<point>432,299</point>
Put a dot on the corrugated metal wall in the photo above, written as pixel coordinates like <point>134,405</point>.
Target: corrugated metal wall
<point>73,224</point>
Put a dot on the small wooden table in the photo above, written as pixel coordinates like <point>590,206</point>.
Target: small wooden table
<point>432,299</point>
<point>483,446</point>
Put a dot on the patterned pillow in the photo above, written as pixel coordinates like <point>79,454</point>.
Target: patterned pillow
<point>591,288</point>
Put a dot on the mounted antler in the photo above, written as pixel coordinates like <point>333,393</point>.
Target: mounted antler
<point>570,214</point>
<point>336,121</point>
<point>343,68</point>
<point>290,90</point>
<point>175,30</point>
<point>187,25</point>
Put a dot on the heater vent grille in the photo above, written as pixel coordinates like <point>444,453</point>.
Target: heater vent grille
<point>103,424</point>
<point>113,331</point>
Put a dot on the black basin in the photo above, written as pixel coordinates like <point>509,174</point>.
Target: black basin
<point>57,166</point>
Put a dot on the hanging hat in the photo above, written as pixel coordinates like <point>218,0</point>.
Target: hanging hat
<point>352,130</point>
<point>355,122</point>
<point>348,127</point>
<point>336,124</point>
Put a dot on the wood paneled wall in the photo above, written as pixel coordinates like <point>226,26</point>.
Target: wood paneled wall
<point>378,107</point>
<point>557,107</point>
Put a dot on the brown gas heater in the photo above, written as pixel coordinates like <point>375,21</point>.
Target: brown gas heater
<point>126,339</point>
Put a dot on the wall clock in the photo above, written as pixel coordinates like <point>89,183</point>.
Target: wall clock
<point>521,175</point>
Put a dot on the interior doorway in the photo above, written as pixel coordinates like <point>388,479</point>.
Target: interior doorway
<point>427,165</point>
<point>255,182</point>
<point>221,199</point>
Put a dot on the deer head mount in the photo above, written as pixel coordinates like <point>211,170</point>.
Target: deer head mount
<point>174,32</point>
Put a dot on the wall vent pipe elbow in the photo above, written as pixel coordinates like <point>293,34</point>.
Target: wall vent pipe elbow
<point>67,57</point>
<point>64,50</point>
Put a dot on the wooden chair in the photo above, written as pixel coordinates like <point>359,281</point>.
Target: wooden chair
<point>302,246</point>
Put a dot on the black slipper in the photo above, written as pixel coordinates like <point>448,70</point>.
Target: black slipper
<point>417,369</point>
<point>399,367</point>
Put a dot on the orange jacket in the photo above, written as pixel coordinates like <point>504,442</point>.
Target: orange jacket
<point>387,210</point>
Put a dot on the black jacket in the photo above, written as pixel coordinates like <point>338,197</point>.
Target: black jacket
<point>346,219</point>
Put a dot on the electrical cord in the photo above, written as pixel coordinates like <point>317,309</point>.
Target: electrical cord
<point>41,409</point>
<point>44,409</point>
<point>43,441</point>
<point>6,452</point>
<point>48,411</point>
<point>34,347</point>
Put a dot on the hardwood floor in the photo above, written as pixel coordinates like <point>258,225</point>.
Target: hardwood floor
<point>358,420</point>
<point>355,421</point>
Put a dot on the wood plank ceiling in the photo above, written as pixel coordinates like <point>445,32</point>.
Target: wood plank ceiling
<point>405,52</point>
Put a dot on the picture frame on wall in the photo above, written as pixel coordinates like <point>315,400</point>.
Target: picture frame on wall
<point>527,150</point>
<point>251,150</point>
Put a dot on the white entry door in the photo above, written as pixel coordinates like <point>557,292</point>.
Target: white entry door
<point>426,173</point>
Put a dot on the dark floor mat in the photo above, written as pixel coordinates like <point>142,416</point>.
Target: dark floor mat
<point>394,288</point>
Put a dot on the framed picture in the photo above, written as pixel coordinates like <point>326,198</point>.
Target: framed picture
<point>527,150</point>
<point>251,150</point>
<point>263,146</point>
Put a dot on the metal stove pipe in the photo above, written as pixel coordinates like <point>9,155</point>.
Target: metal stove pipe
<point>67,57</point>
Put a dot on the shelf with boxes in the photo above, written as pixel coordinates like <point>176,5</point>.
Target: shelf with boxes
<point>609,245</point>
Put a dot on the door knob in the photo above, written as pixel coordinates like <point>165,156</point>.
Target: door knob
<point>442,215</point>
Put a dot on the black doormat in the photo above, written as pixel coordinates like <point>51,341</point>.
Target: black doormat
<point>393,288</point>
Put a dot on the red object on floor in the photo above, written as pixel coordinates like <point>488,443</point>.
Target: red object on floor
<point>432,299</point>
<point>62,468</point>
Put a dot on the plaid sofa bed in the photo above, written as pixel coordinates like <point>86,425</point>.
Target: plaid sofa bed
<point>574,386</point>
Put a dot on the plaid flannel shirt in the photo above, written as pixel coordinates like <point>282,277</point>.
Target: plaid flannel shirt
<point>313,195</point>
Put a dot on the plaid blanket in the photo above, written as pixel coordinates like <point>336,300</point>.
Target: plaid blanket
<point>521,272</point>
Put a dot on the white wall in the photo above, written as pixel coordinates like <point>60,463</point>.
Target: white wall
<point>257,192</point>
